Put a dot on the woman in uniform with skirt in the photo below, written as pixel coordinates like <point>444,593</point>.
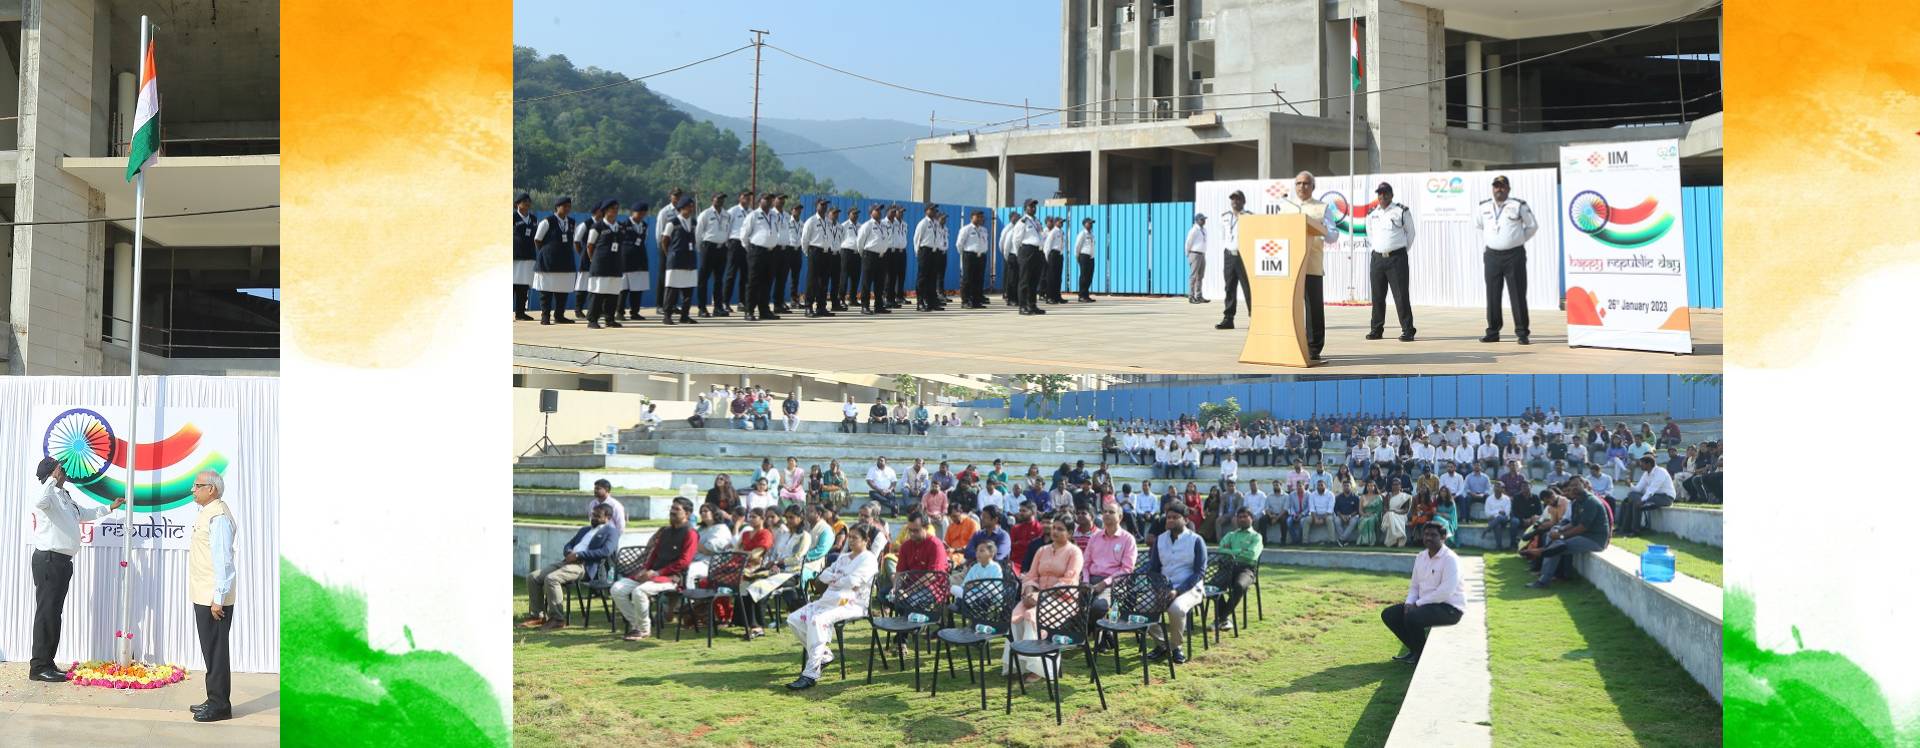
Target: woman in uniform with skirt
<point>683,264</point>
<point>606,269</point>
<point>524,251</point>
<point>634,233</point>
<point>554,268</point>
<point>582,298</point>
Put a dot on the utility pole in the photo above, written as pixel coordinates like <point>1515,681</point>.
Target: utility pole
<point>753,150</point>
<point>1277,93</point>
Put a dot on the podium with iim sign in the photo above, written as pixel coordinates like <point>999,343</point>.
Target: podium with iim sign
<point>1275,250</point>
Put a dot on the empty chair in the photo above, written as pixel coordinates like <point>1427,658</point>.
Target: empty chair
<point>919,604</point>
<point>987,607</point>
<point>1138,602</point>
<point>723,580</point>
<point>1060,621</point>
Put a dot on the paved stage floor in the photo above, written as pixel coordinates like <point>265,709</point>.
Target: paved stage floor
<point>1132,334</point>
<point>35,713</point>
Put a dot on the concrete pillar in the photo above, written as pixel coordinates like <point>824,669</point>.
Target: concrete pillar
<point>1138,104</point>
<point>799,388</point>
<point>1476,116</point>
<point>1177,160</point>
<point>1181,61</point>
<point>55,266</point>
<point>922,178</point>
<point>1495,100</point>
<point>1002,184</point>
<point>686,387</point>
<point>1403,46</point>
<point>122,291</point>
<point>1096,177</point>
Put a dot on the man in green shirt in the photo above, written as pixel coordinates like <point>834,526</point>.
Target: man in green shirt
<point>1243,546</point>
<point>1588,531</point>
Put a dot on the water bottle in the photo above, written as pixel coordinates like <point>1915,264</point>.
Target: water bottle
<point>1113,614</point>
<point>1136,618</point>
<point>918,617</point>
<point>1062,639</point>
<point>1656,564</point>
<point>981,628</point>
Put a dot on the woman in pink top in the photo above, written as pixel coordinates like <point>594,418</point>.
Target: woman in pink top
<point>934,504</point>
<point>1055,564</point>
<point>793,483</point>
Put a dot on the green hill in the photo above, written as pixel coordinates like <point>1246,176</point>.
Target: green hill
<point>625,142</point>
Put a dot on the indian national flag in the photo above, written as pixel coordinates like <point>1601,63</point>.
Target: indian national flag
<point>146,119</point>
<point>1353,27</point>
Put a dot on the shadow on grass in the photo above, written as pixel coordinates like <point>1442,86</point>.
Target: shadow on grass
<point>1392,678</point>
<point>1654,696</point>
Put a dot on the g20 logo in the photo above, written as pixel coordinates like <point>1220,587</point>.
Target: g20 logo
<point>1667,152</point>
<point>1443,187</point>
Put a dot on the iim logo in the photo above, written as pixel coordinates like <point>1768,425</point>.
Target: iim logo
<point>1270,257</point>
<point>85,445</point>
<point>1620,228</point>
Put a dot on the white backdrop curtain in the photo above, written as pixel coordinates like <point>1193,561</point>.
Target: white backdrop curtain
<point>162,617</point>
<point>1445,261</point>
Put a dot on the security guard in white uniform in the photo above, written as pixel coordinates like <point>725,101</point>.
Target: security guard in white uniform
<point>1505,224</point>
<point>849,235</point>
<point>1390,236</point>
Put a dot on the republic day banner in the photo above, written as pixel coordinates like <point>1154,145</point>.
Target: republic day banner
<point>1625,250</point>
<point>175,445</point>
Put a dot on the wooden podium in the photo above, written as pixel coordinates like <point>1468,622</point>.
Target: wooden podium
<point>1274,247</point>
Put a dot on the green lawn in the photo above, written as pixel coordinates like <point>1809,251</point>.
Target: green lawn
<point>1315,672</point>
<point>1570,669</point>
<point>1697,560</point>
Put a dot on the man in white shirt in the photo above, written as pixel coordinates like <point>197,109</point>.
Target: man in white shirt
<point>1196,258</point>
<point>56,540</point>
<point>711,232</point>
<point>735,268</point>
<point>973,244</point>
<point>1010,281</point>
<point>1390,230</point>
<point>1229,470</point>
<point>1083,255</point>
<point>1319,513</point>
<point>925,240</point>
<point>872,239</point>
<point>816,237</point>
<point>1234,268</point>
<point>849,417</point>
<point>1456,485</point>
<point>1500,521</point>
<point>1033,262</point>
<point>1435,595</point>
<point>847,235</point>
<point>1652,491</point>
<point>1190,460</point>
<point>763,238</point>
<point>1055,246</point>
<point>1505,225</point>
<point>881,485</point>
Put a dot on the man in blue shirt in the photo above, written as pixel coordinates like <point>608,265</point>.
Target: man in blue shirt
<point>990,531</point>
<point>1179,555</point>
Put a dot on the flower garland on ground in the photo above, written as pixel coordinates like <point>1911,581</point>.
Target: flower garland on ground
<point>104,674</point>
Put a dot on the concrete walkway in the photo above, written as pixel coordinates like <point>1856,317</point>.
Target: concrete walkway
<point>1450,701</point>
<point>1135,335</point>
<point>34,713</point>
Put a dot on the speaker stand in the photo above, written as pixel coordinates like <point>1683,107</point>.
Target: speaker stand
<point>543,445</point>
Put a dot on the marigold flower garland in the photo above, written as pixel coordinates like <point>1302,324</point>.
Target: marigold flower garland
<point>104,674</point>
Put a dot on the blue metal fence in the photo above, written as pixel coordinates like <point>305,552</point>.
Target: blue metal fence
<point>1140,247</point>
<point>1462,396</point>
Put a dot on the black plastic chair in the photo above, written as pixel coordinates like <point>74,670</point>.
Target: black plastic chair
<point>920,592</point>
<point>1060,619</point>
<point>1213,587</point>
<point>1145,595</point>
<point>597,586</point>
<point>983,602</point>
<point>723,580</point>
<point>840,637</point>
<point>625,561</point>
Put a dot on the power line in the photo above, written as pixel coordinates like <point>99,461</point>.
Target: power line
<point>150,218</point>
<point>631,80</point>
<point>904,87</point>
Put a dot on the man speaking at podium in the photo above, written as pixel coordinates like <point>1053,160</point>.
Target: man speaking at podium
<point>1316,213</point>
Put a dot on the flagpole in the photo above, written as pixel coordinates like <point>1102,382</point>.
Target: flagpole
<point>1353,185</point>
<point>133,389</point>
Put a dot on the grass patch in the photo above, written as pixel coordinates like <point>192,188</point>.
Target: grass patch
<point>1697,560</point>
<point>1570,669</point>
<point>1315,672</point>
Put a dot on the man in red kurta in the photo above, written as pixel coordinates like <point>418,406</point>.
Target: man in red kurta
<point>1023,533</point>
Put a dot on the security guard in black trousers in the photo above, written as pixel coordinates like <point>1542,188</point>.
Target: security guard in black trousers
<point>1033,264</point>
<point>762,233</point>
<point>923,276</point>
<point>1505,224</point>
<point>1390,236</point>
<point>848,292</point>
<point>712,228</point>
<point>873,238</point>
<point>524,253</point>
<point>816,235</point>
<point>554,269</point>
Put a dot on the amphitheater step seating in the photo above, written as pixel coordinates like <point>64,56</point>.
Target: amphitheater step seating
<point>1454,664</point>
<point>582,480</point>
<point>1682,615</point>
<point>574,504</point>
<point>587,461</point>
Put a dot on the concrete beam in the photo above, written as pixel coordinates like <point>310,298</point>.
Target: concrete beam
<point>1697,525</point>
<point>1683,615</point>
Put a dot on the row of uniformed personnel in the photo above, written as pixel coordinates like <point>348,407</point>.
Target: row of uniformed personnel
<point>753,255</point>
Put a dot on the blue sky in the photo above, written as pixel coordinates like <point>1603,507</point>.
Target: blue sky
<point>985,49</point>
